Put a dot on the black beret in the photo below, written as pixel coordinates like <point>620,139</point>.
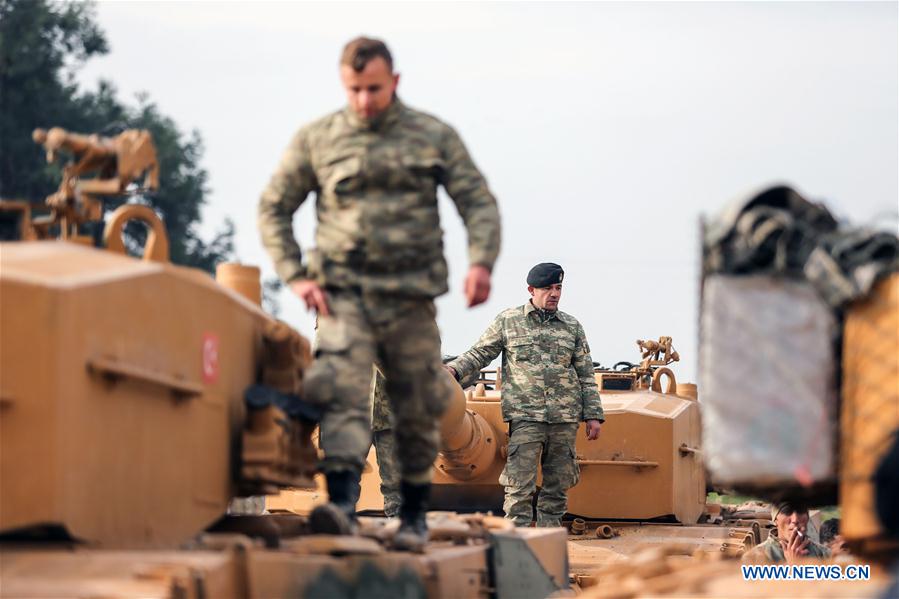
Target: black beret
<point>545,274</point>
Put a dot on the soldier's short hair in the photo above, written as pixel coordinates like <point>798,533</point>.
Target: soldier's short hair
<point>362,50</point>
<point>787,508</point>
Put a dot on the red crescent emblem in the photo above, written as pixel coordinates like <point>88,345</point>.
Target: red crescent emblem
<point>210,358</point>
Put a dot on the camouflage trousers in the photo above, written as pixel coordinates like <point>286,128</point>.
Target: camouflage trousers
<point>401,334</point>
<point>385,450</point>
<point>552,447</point>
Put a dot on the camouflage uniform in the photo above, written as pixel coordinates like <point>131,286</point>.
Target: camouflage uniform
<point>547,388</point>
<point>771,551</point>
<point>385,445</point>
<point>380,258</point>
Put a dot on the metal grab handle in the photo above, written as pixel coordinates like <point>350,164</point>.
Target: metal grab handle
<point>157,245</point>
<point>637,463</point>
<point>685,449</point>
<point>114,369</point>
<point>656,384</point>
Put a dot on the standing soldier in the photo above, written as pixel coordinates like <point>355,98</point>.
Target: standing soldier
<point>375,167</point>
<point>385,444</point>
<point>547,389</point>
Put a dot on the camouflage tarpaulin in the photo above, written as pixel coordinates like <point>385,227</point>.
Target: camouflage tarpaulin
<point>779,232</point>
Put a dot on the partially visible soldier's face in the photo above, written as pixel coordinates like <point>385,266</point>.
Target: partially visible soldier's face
<point>788,521</point>
<point>370,91</point>
<point>837,545</point>
<point>546,298</point>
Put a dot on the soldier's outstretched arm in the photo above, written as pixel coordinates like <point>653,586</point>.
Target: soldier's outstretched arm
<point>487,348</point>
<point>583,365</point>
<point>293,180</point>
<point>476,205</point>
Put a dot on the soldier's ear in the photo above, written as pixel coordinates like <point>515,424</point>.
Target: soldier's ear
<point>531,289</point>
<point>396,81</point>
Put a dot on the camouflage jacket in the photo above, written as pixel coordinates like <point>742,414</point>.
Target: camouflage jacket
<point>380,407</point>
<point>376,202</point>
<point>771,551</point>
<point>547,371</point>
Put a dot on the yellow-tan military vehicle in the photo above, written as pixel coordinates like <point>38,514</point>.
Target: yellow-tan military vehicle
<point>139,398</point>
<point>646,465</point>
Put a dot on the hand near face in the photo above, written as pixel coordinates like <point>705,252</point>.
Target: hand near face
<point>796,547</point>
<point>312,295</point>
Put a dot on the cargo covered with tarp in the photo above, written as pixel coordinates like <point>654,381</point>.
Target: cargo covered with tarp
<point>780,276</point>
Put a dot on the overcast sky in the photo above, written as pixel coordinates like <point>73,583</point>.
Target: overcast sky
<point>605,130</point>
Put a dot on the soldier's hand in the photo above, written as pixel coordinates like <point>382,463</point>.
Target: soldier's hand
<point>592,430</point>
<point>451,370</point>
<point>796,547</point>
<point>477,285</point>
<point>312,295</point>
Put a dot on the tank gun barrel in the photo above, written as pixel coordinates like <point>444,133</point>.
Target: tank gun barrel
<point>455,427</point>
<point>468,446</point>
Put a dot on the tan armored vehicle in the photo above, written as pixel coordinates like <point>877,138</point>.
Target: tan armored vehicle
<point>138,398</point>
<point>645,466</point>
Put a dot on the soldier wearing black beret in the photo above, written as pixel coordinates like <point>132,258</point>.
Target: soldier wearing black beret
<point>547,390</point>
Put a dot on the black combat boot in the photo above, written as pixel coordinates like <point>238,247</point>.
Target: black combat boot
<point>338,516</point>
<point>413,532</point>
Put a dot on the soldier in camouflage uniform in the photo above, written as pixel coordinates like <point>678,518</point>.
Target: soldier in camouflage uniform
<point>375,167</point>
<point>385,444</point>
<point>791,541</point>
<point>547,389</point>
